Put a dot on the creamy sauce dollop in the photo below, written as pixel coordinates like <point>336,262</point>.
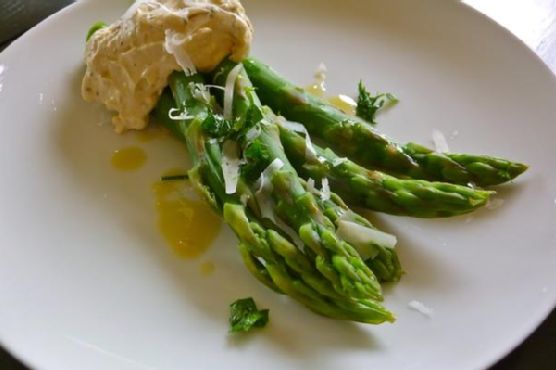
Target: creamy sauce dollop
<point>128,62</point>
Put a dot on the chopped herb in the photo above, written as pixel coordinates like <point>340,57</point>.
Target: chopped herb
<point>368,105</point>
<point>174,177</point>
<point>94,28</point>
<point>254,116</point>
<point>217,126</point>
<point>257,158</point>
<point>244,315</point>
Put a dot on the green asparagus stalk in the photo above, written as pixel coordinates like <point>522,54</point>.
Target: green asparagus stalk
<point>337,260</point>
<point>353,137</point>
<point>376,190</point>
<point>385,263</point>
<point>385,259</point>
<point>268,255</point>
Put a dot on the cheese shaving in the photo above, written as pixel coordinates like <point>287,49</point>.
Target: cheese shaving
<point>311,186</point>
<point>325,192</point>
<point>440,143</point>
<point>253,133</point>
<point>130,12</point>
<point>347,100</point>
<point>264,184</point>
<point>179,116</point>
<point>338,161</point>
<point>217,87</point>
<point>173,44</point>
<point>229,91</point>
<point>421,308</point>
<point>230,165</point>
<point>363,237</point>
<point>310,151</point>
<point>200,92</point>
<point>320,73</point>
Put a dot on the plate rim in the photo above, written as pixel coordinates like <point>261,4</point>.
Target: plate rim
<point>496,353</point>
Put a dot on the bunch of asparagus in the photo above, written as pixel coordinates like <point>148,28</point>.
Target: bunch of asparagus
<point>260,173</point>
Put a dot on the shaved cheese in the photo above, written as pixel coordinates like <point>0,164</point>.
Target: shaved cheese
<point>200,92</point>
<point>338,161</point>
<point>421,308</point>
<point>362,237</point>
<point>325,192</point>
<point>440,142</point>
<point>310,151</point>
<point>311,186</point>
<point>294,126</point>
<point>263,194</point>
<point>230,165</point>
<point>174,45</point>
<point>253,133</point>
<point>178,117</point>
<point>348,100</point>
<point>229,90</point>
<point>130,12</point>
<point>347,215</point>
<point>217,87</point>
<point>320,73</point>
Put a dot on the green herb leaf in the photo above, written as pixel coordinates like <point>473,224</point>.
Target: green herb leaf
<point>254,116</point>
<point>368,105</point>
<point>94,28</point>
<point>217,126</point>
<point>245,316</point>
<point>258,158</point>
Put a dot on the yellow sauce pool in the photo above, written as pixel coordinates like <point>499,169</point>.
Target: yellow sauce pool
<point>128,159</point>
<point>343,103</point>
<point>187,223</point>
<point>317,89</point>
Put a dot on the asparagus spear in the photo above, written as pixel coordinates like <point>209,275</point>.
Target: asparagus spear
<point>354,137</point>
<point>379,191</point>
<point>336,259</point>
<point>332,208</point>
<point>268,255</point>
<point>385,263</point>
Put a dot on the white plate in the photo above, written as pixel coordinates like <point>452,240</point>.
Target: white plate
<point>86,281</point>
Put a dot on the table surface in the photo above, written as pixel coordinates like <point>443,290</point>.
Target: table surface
<point>532,21</point>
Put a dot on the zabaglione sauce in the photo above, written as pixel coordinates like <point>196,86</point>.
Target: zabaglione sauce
<point>341,101</point>
<point>187,223</point>
<point>129,158</point>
